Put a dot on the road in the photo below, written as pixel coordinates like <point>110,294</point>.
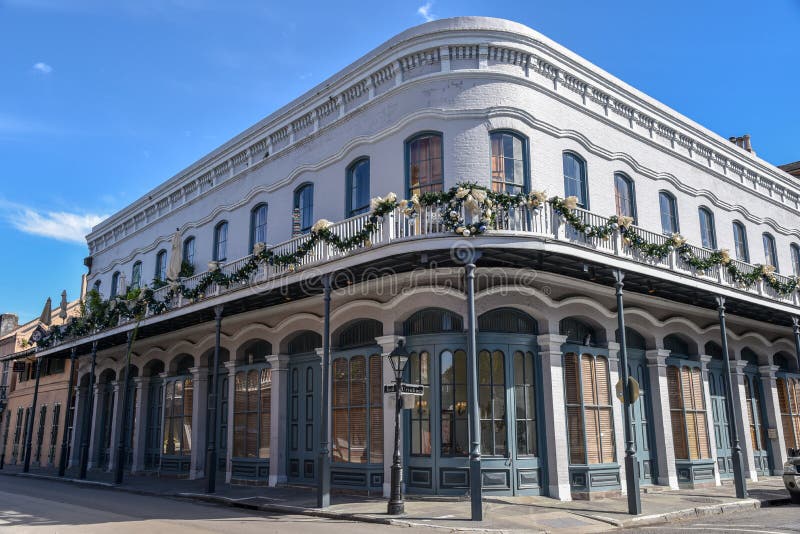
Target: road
<point>40,506</point>
<point>769,520</point>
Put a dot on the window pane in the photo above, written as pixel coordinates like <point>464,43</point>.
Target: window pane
<point>707,233</point>
<point>425,164</point>
<point>623,190</point>
<point>740,239</point>
<point>669,215</point>
<point>575,178</point>
<point>507,163</point>
<point>359,194</point>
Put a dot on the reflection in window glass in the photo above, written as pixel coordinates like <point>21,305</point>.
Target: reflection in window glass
<point>455,441</point>
<point>424,171</point>
<point>419,372</point>
<point>492,402</point>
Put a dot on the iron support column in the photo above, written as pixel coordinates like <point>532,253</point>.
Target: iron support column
<point>736,449</point>
<point>29,431</point>
<point>396,505</point>
<point>211,455</point>
<point>121,445</point>
<point>475,482</point>
<point>631,465</point>
<point>324,488</point>
<point>796,330</point>
<point>62,462</point>
<point>86,426</point>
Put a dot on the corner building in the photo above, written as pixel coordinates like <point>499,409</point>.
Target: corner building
<point>458,100</point>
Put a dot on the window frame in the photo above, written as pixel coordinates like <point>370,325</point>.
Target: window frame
<point>351,211</point>
<point>794,252</point>
<point>114,285</point>
<point>136,275</point>
<point>525,156</point>
<point>687,407</point>
<point>744,243</point>
<point>788,389</point>
<point>220,243</point>
<point>584,179</point>
<point>407,164</point>
<point>673,203</point>
<point>767,237</point>
<point>255,227</point>
<point>160,273</point>
<point>169,413</point>
<point>706,217</point>
<point>631,192</point>
<point>188,258</point>
<point>296,205</point>
<point>263,435</point>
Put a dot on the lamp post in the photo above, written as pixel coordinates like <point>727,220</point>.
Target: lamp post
<point>398,358</point>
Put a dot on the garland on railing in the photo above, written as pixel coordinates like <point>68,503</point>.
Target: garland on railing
<point>468,209</point>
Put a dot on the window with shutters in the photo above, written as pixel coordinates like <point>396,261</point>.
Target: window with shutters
<point>688,411</point>
<point>40,433</point>
<point>17,434</point>
<point>51,454</point>
<point>789,402</point>
<point>6,428</point>
<point>753,396</point>
<point>455,439</point>
<point>590,424</point>
<point>178,417</point>
<point>358,409</point>
<point>492,402</point>
<point>252,403</point>
<point>419,368</point>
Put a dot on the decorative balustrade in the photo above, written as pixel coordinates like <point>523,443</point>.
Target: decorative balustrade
<point>522,221</point>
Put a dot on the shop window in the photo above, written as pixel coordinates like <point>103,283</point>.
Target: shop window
<point>178,417</point>
<point>590,423</point>
<point>419,368</point>
<point>492,402</point>
<point>358,409</point>
<point>252,413</point>
<point>688,411</point>
<point>789,402</point>
<point>455,439</point>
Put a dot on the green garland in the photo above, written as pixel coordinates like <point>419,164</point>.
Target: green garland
<point>467,209</point>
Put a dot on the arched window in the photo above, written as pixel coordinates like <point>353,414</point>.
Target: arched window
<point>424,164</point>
<point>508,321</point>
<point>96,286</point>
<point>669,213</point>
<point>432,321</point>
<point>795,249</point>
<point>304,342</point>
<point>740,242</point>
<point>624,196</point>
<point>708,233</point>
<point>688,410</point>
<point>115,285</point>
<point>188,251</point>
<point>161,266</point>
<point>136,275</point>
<point>252,413</point>
<point>590,422</point>
<point>575,179</point>
<point>677,346</point>
<point>770,251</point>
<point>304,204</point>
<point>358,409</point>
<point>359,333</point>
<point>221,241</point>
<point>633,339</point>
<point>258,225</point>
<point>577,331</point>
<point>509,162</point>
<point>358,187</point>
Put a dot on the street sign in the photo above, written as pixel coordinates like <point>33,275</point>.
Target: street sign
<point>633,390</point>
<point>405,389</point>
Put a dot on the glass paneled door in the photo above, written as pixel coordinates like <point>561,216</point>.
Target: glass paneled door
<point>645,454</point>
<point>755,416</point>
<point>104,451</point>
<point>304,406</point>
<point>717,383</point>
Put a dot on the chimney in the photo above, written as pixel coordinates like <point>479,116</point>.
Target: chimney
<point>743,141</point>
<point>8,322</point>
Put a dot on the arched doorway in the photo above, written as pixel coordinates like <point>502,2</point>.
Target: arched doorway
<point>252,413</point>
<point>304,406</point>
<point>590,416</point>
<point>641,409</point>
<point>717,384</point>
<point>755,413</point>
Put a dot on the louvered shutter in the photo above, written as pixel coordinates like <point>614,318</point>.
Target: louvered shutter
<point>676,411</point>
<point>266,413</point>
<point>376,409</point>
<point>571,377</point>
<point>358,409</point>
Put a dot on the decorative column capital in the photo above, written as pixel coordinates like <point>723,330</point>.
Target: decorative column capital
<point>550,342</point>
<point>230,366</point>
<point>388,343</point>
<point>737,366</point>
<point>657,357</point>
<point>704,359</point>
<point>768,371</point>
<point>278,362</point>
<point>163,375</point>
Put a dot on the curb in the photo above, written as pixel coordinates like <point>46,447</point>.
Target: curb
<point>641,521</point>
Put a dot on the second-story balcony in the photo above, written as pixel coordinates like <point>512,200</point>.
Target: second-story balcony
<point>525,237</point>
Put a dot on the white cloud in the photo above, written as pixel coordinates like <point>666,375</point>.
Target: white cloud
<point>43,67</point>
<point>60,225</point>
<point>425,12</point>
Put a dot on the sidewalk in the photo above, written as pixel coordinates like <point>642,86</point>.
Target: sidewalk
<point>501,514</point>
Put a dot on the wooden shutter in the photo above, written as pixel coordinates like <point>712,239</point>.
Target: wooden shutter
<point>571,378</point>
<point>577,454</point>
<point>606,435</point>
<point>340,423</point>
<point>587,378</point>
<point>358,409</point>
<point>601,380</point>
<point>265,392</point>
<point>376,409</point>
<point>676,411</point>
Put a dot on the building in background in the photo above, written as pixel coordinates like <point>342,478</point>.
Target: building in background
<point>460,100</point>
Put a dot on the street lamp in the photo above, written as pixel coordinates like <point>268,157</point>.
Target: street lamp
<point>398,358</point>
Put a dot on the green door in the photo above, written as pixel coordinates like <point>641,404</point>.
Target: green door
<point>755,416</point>
<point>645,454</point>
<point>303,404</point>
<point>717,383</point>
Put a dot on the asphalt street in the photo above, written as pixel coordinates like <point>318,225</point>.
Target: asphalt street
<point>40,506</point>
<point>769,520</point>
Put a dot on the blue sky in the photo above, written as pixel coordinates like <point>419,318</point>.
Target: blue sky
<point>102,100</point>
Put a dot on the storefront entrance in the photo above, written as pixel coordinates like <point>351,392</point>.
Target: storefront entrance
<point>304,406</point>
